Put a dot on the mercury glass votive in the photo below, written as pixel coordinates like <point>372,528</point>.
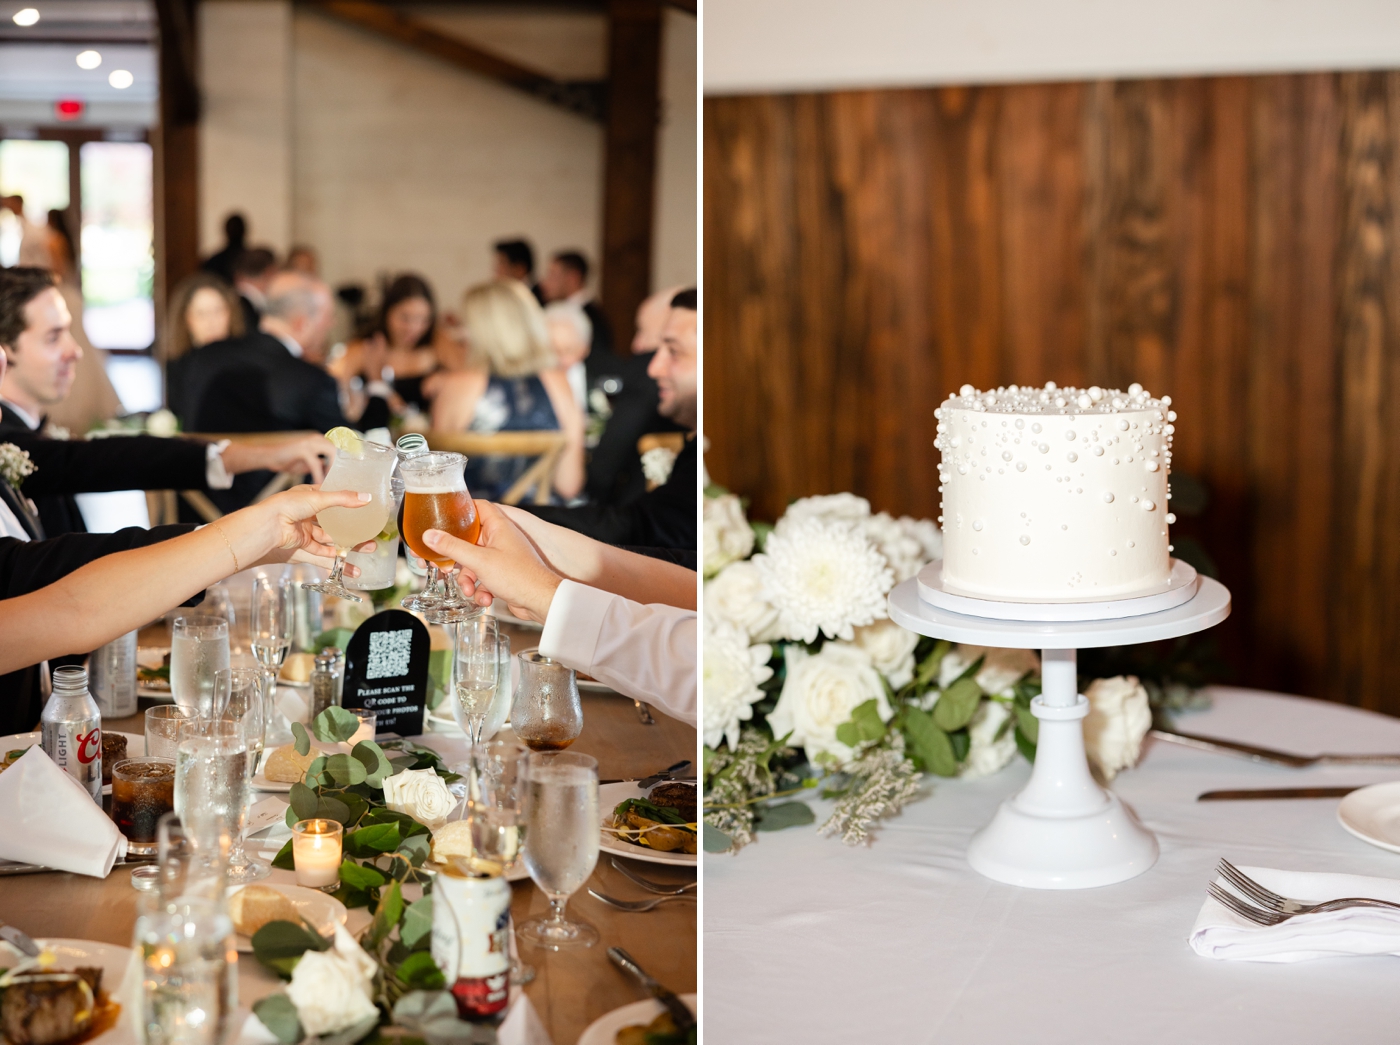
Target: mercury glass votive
<point>316,846</point>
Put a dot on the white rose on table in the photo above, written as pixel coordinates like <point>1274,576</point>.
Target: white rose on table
<point>421,794</point>
<point>1000,670</point>
<point>333,989</point>
<point>989,749</point>
<point>821,691</point>
<point>728,536</point>
<point>735,597</point>
<point>731,675</point>
<point>1119,717</point>
<point>891,650</point>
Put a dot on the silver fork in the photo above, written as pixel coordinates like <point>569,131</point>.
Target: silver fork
<point>644,713</point>
<point>1272,901</point>
<point>1245,910</point>
<point>648,884</point>
<point>636,905</point>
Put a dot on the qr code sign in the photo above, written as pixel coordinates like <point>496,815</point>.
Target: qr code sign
<point>388,654</point>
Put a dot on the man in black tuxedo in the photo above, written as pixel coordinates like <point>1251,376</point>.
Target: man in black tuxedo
<point>664,518</point>
<point>41,360</point>
<point>515,259</point>
<point>566,279</point>
<point>253,273</point>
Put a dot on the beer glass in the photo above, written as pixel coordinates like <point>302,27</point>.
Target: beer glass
<point>436,498</point>
<point>365,469</point>
<point>561,841</point>
<point>546,713</point>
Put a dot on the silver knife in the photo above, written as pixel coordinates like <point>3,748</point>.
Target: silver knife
<point>680,1015</point>
<point>1276,792</point>
<point>1264,754</point>
<point>19,940</point>
<point>665,774</point>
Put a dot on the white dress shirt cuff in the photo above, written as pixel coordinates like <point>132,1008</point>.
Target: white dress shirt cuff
<point>574,623</point>
<point>216,476</point>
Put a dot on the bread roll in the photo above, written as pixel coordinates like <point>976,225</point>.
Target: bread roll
<point>254,906</point>
<point>285,766</point>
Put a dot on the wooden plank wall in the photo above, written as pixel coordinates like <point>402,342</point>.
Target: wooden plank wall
<point>1228,241</point>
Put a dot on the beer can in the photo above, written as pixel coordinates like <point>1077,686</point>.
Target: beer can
<point>72,730</point>
<point>113,672</point>
<point>471,942</point>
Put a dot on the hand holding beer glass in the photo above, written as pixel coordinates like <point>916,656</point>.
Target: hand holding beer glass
<point>366,468</point>
<point>436,498</point>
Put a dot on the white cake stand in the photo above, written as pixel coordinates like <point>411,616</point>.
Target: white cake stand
<point>1062,831</point>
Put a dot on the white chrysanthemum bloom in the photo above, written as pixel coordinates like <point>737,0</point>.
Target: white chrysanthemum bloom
<point>987,753</point>
<point>730,676</point>
<point>927,533</point>
<point>1001,669</point>
<point>736,596</point>
<point>901,549</point>
<point>819,694</point>
<point>728,536</point>
<point>845,508</point>
<point>823,577</point>
<point>1119,717</point>
<point>891,650</point>
<point>657,464</point>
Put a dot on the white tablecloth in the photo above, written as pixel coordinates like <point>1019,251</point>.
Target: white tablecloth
<point>807,940</point>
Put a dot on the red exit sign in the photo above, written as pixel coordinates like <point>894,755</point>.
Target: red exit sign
<point>69,108</point>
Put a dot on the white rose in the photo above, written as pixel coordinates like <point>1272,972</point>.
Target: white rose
<point>728,536</point>
<point>657,464</point>
<point>901,549</point>
<point>730,677</point>
<point>891,650</point>
<point>735,597</point>
<point>836,507</point>
<point>1119,717</point>
<point>421,794</point>
<point>987,753</point>
<point>1001,669</point>
<point>333,990</point>
<point>820,692</point>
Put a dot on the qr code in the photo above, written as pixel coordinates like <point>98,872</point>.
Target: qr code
<point>388,654</point>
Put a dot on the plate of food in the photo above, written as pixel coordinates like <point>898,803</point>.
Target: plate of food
<point>253,906</point>
<point>76,996</point>
<point>282,767</point>
<point>115,747</point>
<point>643,1022</point>
<point>656,825</point>
<point>153,672</point>
<point>296,670</point>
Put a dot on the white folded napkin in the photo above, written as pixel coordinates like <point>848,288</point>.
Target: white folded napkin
<point>47,818</point>
<point>1220,933</point>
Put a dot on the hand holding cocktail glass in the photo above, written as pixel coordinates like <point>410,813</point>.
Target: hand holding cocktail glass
<point>366,469</point>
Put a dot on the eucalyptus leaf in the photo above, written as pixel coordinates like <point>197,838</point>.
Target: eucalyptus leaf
<point>929,744</point>
<point>284,861</point>
<point>1028,724</point>
<point>345,770</point>
<point>315,770</point>
<point>419,970</point>
<point>1025,745</point>
<point>715,841</point>
<point>335,725</point>
<point>373,840</point>
<point>957,704</point>
<point>331,808</point>
<point>417,922</point>
<point>279,1015</point>
<point>433,1014</point>
<point>292,818</point>
<point>350,1034</point>
<point>280,945</point>
<point>416,849</point>
<point>784,814</point>
<point>304,801</point>
<point>359,876</point>
<point>376,763</point>
<point>301,739</point>
<point>387,916</point>
<point>962,743</point>
<point>357,804</point>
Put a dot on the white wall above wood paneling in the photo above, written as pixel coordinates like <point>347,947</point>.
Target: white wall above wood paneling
<point>770,46</point>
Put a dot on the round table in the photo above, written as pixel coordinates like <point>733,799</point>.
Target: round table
<point>810,940</point>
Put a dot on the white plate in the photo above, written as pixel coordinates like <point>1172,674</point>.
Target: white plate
<point>609,795</point>
<point>603,1030</point>
<point>277,787</point>
<point>111,959</point>
<point>318,908</point>
<point>1372,814</point>
<point>135,746</point>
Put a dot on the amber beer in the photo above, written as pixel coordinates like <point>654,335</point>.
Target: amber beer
<point>438,508</point>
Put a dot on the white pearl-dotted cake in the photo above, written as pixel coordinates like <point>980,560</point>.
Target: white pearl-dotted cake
<point>1055,493</point>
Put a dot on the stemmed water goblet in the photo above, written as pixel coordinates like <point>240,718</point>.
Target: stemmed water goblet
<point>247,709</point>
<point>366,468</point>
<point>562,840</point>
<point>436,498</point>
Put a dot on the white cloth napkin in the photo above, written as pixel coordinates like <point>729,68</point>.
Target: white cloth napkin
<point>1220,933</point>
<point>47,818</point>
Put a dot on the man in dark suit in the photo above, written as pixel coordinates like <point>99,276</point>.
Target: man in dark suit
<point>515,259</point>
<point>235,243</point>
<point>253,272</point>
<point>41,359</point>
<point>664,517</point>
<point>566,279</point>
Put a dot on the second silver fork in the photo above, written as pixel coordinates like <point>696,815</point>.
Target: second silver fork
<point>1276,902</point>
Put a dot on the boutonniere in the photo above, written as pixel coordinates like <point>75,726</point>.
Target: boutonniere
<point>14,464</point>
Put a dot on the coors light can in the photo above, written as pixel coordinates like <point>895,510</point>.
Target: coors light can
<point>471,943</point>
<point>72,729</point>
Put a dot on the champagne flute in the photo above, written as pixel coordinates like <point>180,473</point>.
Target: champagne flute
<point>271,627</point>
<point>476,672</point>
<point>247,710</point>
<point>436,498</point>
<point>365,468</point>
<point>561,846</point>
<point>497,826</point>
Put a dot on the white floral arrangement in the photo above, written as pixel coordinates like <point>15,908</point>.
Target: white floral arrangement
<point>15,464</point>
<point>808,684</point>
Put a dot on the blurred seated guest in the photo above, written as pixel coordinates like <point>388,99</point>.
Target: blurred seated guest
<point>253,272</point>
<point>303,259</point>
<point>40,359</point>
<point>627,620</point>
<point>664,517</point>
<point>203,309</point>
<point>512,383</point>
<point>571,334</point>
<point>651,320</point>
<point>515,259</point>
<point>397,358</point>
<point>235,243</point>
<point>74,593</point>
<point>566,279</point>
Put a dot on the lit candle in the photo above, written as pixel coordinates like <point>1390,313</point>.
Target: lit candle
<point>367,726</point>
<point>316,853</point>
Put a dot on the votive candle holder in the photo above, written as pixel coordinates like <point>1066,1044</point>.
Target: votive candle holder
<point>316,848</point>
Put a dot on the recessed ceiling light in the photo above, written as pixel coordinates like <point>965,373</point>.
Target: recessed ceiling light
<point>89,59</point>
<point>26,16</point>
<point>121,79</point>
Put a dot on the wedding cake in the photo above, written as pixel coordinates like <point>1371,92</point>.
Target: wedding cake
<point>1054,493</point>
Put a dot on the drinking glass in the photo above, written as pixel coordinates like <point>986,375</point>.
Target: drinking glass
<point>480,676</point>
<point>546,713</point>
<point>143,790</point>
<point>185,870</point>
<point>211,775</point>
<point>436,498</point>
<point>270,631</point>
<point>365,469</point>
<point>379,568</point>
<point>189,988</point>
<point>198,648</point>
<point>497,827</point>
<point>247,710</point>
<point>163,728</point>
<point>561,844</point>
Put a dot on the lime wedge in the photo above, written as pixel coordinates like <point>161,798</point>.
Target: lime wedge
<point>344,439</point>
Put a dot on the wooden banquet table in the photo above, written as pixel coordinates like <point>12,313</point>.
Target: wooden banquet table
<point>809,940</point>
<point>571,988</point>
